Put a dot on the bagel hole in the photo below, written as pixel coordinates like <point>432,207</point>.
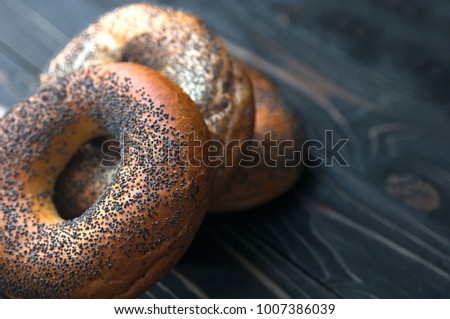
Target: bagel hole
<point>86,176</point>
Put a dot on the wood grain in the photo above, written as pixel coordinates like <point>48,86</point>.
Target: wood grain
<point>375,72</point>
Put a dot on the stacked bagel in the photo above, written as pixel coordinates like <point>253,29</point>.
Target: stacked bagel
<point>159,77</point>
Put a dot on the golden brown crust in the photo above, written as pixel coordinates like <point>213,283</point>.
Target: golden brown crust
<point>257,184</point>
<point>143,221</point>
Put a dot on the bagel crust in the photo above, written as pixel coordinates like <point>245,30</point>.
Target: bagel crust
<point>144,220</point>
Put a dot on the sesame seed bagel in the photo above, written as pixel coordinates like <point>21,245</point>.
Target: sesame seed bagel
<point>144,220</point>
<point>181,47</point>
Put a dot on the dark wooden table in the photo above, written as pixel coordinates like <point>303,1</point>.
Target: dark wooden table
<point>376,72</point>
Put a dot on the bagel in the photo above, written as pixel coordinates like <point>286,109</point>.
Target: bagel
<point>144,220</point>
<point>257,182</point>
<point>84,179</point>
<point>181,47</point>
